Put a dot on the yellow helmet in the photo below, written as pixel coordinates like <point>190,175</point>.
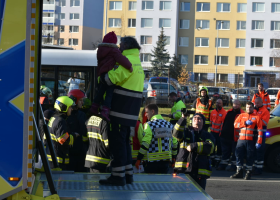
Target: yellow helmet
<point>45,91</point>
<point>203,88</point>
<point>63,103</point>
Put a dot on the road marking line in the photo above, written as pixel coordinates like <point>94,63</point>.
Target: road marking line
<point>252,180</point>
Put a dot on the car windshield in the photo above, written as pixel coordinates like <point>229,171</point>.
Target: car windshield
<point>158,79</point>
<point>184,88</point>
<point>276,111</point>
<point>161,87</point>
<point>240,91</point>
<point>272,92</point>
<point>213,89</point>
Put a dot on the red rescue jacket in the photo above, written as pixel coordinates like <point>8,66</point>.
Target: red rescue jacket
<point>217,118</point>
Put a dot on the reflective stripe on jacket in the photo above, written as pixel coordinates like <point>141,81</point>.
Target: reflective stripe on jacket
<point>264,115</point>
<point>157,148</point>
<point>98,154</point>
<point>277,98</point>
<point>265,97</point>
<point>200,108</point>
<point>217,118</point>
<point>128,90</point>
<point>247,132</point>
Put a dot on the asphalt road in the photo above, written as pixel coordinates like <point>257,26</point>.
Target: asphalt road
<point>266,186</point>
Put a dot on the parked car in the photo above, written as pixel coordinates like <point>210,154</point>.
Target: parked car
<point>244,95</point>
<point>190,93</point>
<point>215,93</point>
<point>159,91</point>
<point>272,92</point>
<point>144,96</point>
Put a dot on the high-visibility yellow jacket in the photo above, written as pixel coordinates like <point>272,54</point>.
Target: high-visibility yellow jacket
<point>158,143</point>
<point>176,111</point>
<point>127,96</point>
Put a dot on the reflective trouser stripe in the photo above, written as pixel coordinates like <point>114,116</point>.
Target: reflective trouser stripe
<point>249,168</point>
<point>225,162</point>
<point>129,169</point>
<point>204,172</point>
<point>181,164</point>
<point>217,157</point>
<point>97,159</point>
<point>85,139</point>
<point>118,171</point>
<point>59,160</point>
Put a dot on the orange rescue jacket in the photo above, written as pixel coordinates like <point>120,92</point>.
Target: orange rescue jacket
<point>265,97</point>
<point>277,98</point>
<point>236,130</point>
<point>264,115</point>
<point>247,132</point>
<point>217,118</point>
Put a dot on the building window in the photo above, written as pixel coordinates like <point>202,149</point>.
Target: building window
<point>256,61</point>
<point>61,29</point>
<point>47,40</point>
<point>258,7</point>
<point>165,23</point>
<point>74,16</point>
<point>184,41</point>
<point>74,29</point>
<point>222,60</point>
<point>184,59</point>
<point>131,23</point>
<point>275,7</point>
<point>47,14</point>
<point>165,5</point>
<point>222,42</point>
<point>147,5</point>
<point>222,78</point>
<point>274,62</point>
<point>115,22</point>
<point>275,25</point>
<point>202,24</point>
<point>201,60</point>
<point>241,25</point>
<point>203,7</point>
<point>239,61</point>
<point>61,16</point>
<point>146,39</point>
<point>48,1</point>
<point>240,43</point>
<point>202,42</point>
<point>257,25</point>
<point>145,57</point>
<point>147,22</point>
<point>242,7</point>
<point>275,43</point>
<point>184,24</point>
<point>238,76</point>
<point>223,7</point>
<point>74,3</point>
<point>185,7</point>
<point>167,40</point>
<point>73,42</point>
<point>256,43</point>
<point>115,5</point>
<point>132,5</point>
<point>62,2</point>
<point>223,25</point>
<point>60,41</point>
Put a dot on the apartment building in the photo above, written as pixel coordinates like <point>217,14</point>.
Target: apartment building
<point>72,23</point>
<point>262,42</point>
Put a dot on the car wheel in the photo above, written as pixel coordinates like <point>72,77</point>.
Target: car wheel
<point>273,160</point>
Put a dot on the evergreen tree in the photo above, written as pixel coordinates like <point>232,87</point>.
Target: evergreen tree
<point>175,67</point>
<point>160,57</point>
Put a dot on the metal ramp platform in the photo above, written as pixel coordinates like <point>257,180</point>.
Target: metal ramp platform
<point>146,186</point>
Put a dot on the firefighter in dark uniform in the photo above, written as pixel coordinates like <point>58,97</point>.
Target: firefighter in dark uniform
<point>98,154</point>
<point>76,122</point>
<point>62,137</point>
<point>196,145</point>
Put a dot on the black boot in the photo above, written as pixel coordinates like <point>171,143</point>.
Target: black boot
<point>129,179</point>
<point>116,181</point>
<point>238,174</point>
<point>248,175</point>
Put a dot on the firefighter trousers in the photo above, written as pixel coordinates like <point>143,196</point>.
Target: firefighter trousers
<point>259,154</point>
<point>244,147</point>
<point>120,148</point>
<point>228,149</point>
<point>217,153</point>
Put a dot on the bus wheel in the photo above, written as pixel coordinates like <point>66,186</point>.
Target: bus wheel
<point>273,160</point>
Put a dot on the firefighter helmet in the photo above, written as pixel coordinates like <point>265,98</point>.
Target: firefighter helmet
<point>45,91</point>
<point>63,103</point>
<point>203,88</point>
<point>76,95</point>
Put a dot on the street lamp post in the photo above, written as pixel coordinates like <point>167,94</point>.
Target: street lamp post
<point>217,44</point>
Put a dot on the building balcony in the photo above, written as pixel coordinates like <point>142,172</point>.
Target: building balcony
<point>48,7</point>
<point>45,33</point>
<point>48,20</point>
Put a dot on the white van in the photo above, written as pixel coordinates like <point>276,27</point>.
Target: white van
<point>272,92</point>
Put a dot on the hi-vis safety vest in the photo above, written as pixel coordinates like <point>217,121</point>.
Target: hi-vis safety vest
<point>158,143</point>
<point>200,108</point>
<point>61,139</point>
<point>136,140</point>
<point>128,90</point>
<point>98,154</point>
<point>176,111</point>
<point>217,118</point>
<point>247,132</point>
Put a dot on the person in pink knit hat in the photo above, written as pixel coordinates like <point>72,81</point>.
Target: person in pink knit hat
<point>108,56</point>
